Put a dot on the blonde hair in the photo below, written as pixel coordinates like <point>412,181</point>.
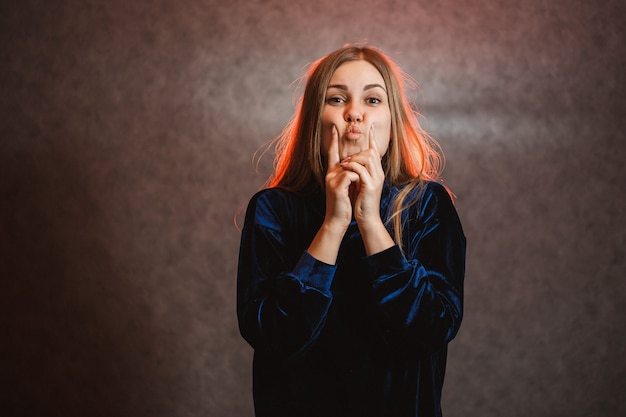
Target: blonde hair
<point>412,158</point>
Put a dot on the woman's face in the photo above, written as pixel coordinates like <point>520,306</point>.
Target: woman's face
<point>356,99</point>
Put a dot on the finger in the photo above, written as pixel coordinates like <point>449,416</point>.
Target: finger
<point>372,138</point>
<point>357,168</point>
<point>352,176</point>
<point>367,164</point>
<point>333,150</point>
<point>339,187</point>
<point>366,158</point>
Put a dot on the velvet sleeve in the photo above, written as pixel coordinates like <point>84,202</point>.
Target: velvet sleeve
<point>420,290</point>
<point>283,293</point>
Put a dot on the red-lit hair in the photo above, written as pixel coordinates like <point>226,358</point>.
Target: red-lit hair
<point>413,156</point>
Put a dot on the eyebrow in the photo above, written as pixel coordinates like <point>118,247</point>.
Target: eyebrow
<point>367,87</point>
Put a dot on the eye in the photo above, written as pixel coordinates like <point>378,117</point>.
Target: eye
<point>335,100</point>
<point>373,100</point>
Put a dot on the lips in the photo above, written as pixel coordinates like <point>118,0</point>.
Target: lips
<point>353,132</point>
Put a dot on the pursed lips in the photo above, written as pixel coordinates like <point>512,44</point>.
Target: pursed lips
<point>353,132</point>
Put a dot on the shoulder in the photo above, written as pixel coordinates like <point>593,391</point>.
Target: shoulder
<point>268,203</point>
<point>432,190</point>
<point>432,200</point>
<point>275,205</point>
<point>433,214</point>
<point>270,196</point>
<point>427,193</point>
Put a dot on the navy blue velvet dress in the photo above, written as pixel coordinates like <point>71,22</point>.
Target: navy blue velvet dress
<point>365,337</point>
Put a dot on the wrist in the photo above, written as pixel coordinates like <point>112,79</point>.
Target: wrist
<point>334,228</point>
<point>325,244</point>
<point>376,237</point>
<point>371,225</point>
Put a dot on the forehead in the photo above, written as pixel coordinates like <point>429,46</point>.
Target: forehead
<point>354,73</point>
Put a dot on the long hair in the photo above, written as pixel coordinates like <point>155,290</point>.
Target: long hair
<point>412,157</point>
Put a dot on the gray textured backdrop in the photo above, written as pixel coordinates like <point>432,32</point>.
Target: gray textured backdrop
<point>127,135</point>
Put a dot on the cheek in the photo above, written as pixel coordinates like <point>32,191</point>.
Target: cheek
<point>325,143</point>
<point>383,146</point>
<point>327,119</point>
<point>383,137</point>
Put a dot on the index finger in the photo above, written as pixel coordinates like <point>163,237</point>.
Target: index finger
<point>372,138</point>
<point>333,149</point>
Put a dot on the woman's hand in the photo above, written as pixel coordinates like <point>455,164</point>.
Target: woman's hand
<point>366,193</point>
<point>339,185</point>
<point>368,187</point>
<point>353,185</point>
<point>327,240</point>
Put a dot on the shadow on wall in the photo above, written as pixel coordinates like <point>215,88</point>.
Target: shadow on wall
<point>74,341</point>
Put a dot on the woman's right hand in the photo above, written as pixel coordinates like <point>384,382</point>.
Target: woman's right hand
<point>340,183</point>
<point>340,187</point>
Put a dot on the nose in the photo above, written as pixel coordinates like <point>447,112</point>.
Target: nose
<point>354,114</point>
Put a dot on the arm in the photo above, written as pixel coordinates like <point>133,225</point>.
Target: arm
<point>420,293</point>
<point>282,292</point>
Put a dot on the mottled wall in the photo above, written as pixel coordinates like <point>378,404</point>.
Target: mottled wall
<point>127,134</point>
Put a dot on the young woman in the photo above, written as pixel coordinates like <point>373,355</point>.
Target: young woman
<point>351,266</point>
